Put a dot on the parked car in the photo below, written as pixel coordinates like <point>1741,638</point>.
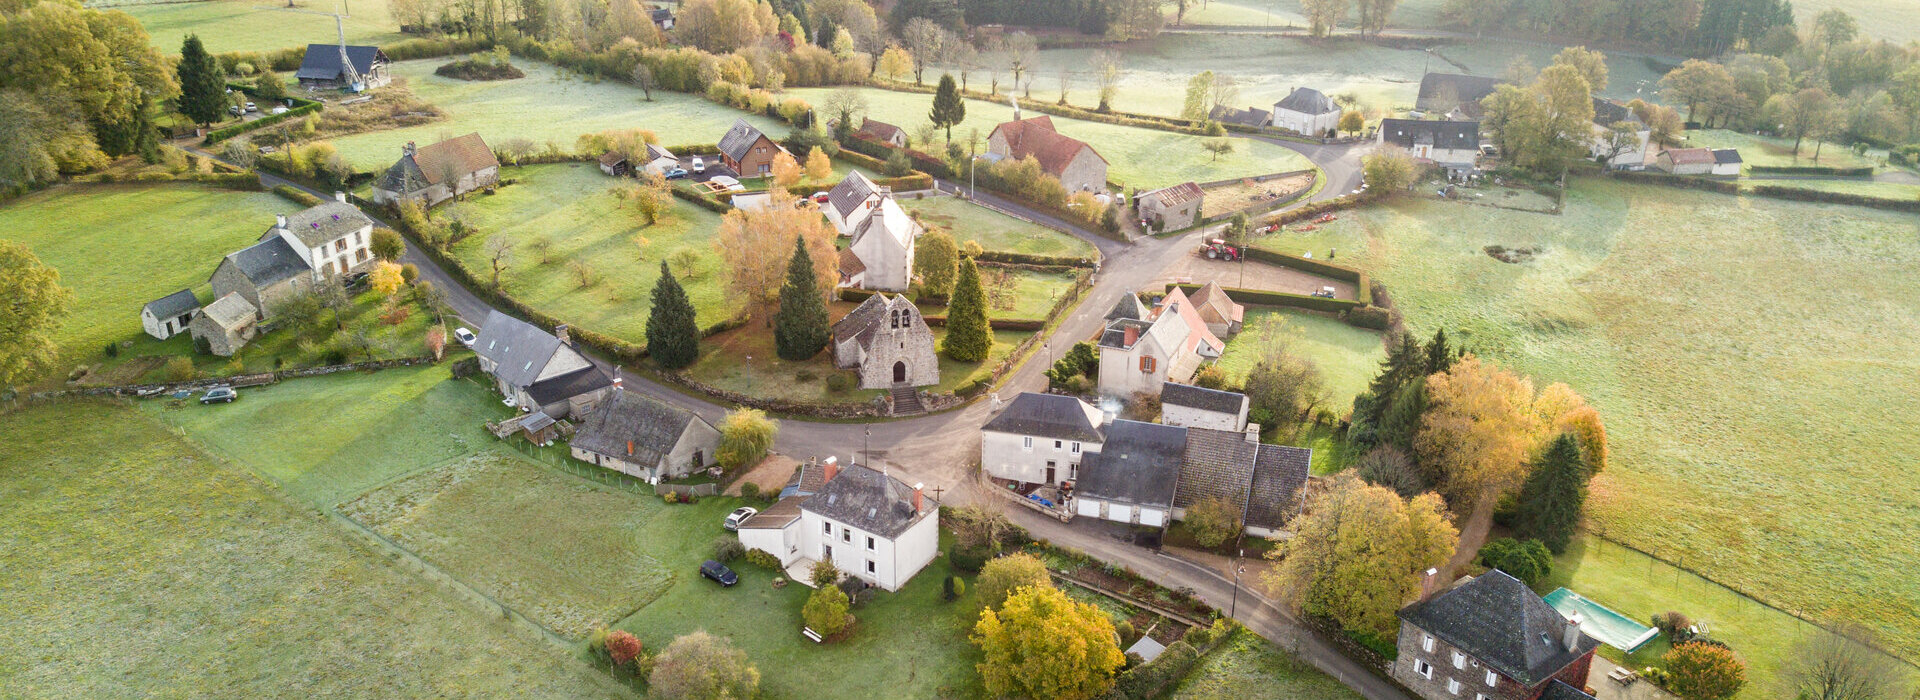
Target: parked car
<point>234,110</point>
<point>676,173</point>
<point>820,198</point>
<point>219,394</point>
<point>354,280</point>
<point>1325,293</point>
<point>252,108</point>
<point>278,110</point>
<point>719,573</point>
<point>699,165</point>
<point>739,515</point>
<point>465,336</point>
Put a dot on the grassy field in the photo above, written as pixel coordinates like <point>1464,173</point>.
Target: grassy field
<point>1247,666</point>
<point>1286,13</point>
<point>1768,151</point>
<point>994,230</point>
<point>546,106</point>
<point>1864,188</point>
<point>140,565</point>
<point>1135,157</point>
<point>1347,356</point>
<point>768,376</point>
<point>239,25</point>
<point>1758,402</point>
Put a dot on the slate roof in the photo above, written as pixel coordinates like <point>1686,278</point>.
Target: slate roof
<point>1690,156</point>
<point>1139,463</point>
<point>172,305</point>
<point>1049,416</point>
<point>656,152</point>
<point>1607,112</point>
<point>661,14</point>
<point>1450,135</point>
<point>1218,464</point>
<point>1278,474</point>
<point>1723,156</point>
<point>880,130</point>
<point>1129,306</point>
<point>1251,116</point>
<point>845,198</point>
<point>1035,137</point>
<point>612,158</point>
<point>1190,396</point>
<point>739,139</point>
<point>806,480</point>
<point>1171,197</point>
<point>779,515</point>
<point>1558,690</point>
<point>860,497</point>
<point>1307,100</point>
<point>850,263</point>
<point>633,428</point>
<point>230,311</point>
<point>322,61</point>
<point>520,349</point>
<point>1115,336</point>
<point>566,386</point>
<point>428,166</point>
<point>1468,90</point>
<point>268,262</point>
<point>321,223</point>
<point>1495,618</point>
<point>860,324</point>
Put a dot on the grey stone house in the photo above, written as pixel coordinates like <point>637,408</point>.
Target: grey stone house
<point>1491,638</point>
<point>887,342</point>
<point>300,250</point>
<point>644,438</point>
<point>1264,482</point>
<point>1076,164</point>
<point>322,69</point>
<point>1171,207</point>
<point>438,172</point>
<point>539,371</point>
<point>169,315</point>
<point>266,274</point>
<point>225,325</point>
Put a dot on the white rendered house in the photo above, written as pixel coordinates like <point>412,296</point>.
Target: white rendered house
<point>870,525</point>
<point>1040,439</point>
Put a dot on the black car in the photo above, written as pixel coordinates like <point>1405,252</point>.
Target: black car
<point>719,573</point>
<point>354,280</point>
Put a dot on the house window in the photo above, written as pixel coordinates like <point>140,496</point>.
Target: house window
<point>826,528</point>
<point>869,544</point>
<point>1026,443</point>
<point>846,535</point>
<point>1423,668</point>
<point>1459,660</point>
<point>1453,686</point>
<point>1056,444</point>
<point>1493,680</point>
<point>1426,642</point>
<point>1073,471</point>
<point>1076,448</point>
<point>870,567</point>
<point>339,245</point>
<point>1146,364</point>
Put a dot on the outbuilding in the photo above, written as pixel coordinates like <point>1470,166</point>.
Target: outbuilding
<point>169,315</point>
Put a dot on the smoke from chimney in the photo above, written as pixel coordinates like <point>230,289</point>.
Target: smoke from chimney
<point>339,196</point>
<point>280,220</point>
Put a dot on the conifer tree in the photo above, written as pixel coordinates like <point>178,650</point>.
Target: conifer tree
<point>968,335</point>
<point>203,93</point>
<point>1440,357</point>
<point>948,108</point>
<point>1552,499</point>
<point>673,336</point>
<point>800,328</point>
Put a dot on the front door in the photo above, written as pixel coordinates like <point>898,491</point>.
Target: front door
<point>1050,480</point>
<point>899,372</point>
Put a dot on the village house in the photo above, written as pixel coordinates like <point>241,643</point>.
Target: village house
<point>225,325</point>
<point>615,163</point>
<point>644,438</point>
<point>538,371</point>
<point>852,201</point>
<point>1726,162</point>
<point>299,251</point>
<point>1606,114</point>
<point>869,524</point>
<point>438,172</point>
<point>1250,117</point>
<point>1265,483</point>
<point>886,341</point>
<point>657,160</point>
<point>1685,161</point>
<point>1451,145</point>
<point>1490,638</point>
<point>883,132</point>
<point>747,151</point>
<point>1454,96</point>
<point>169,315</point>
<point>1189,406</point>
<point>322,68</point>
<point>1078,167</point>
<point>1307,111</point>
<point>1171,207</point>
<point>1223,316</point>
<point>662,18</point>
<point>1040,439</point>
<point>1131,478</point>
<point>882,250</point>
<point>1137,355</point>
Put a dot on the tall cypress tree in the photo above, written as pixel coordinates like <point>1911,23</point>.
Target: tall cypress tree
<point>969,337</point>
<point>1440,357</point>
<point>800,329</point>
<point>203,93</point>
<point>1551,500</point>
<point>673,336</point>
<point>948,108</point>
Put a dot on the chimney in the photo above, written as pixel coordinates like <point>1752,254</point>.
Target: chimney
<point>560,332</point>
<point>1429,582</point>
<point>831,467</point>
<point>629,448</point>
<point>339,196</point>
<point>1572,636</point>
<point>407,150</point>
<point>919,499</point>
<point>1133,334</point>
<point>280,220</point>
<point>1106,418</point>
<point>617,381</point>
<point>1253,433</point>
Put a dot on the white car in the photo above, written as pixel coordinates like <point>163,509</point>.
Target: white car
<point>739,515</point>
<point>699,165</point>
<point>465,336</point>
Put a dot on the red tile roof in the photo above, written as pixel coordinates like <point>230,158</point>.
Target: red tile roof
<point>1035,137</point>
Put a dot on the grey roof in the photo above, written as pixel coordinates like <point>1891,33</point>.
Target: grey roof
<point>1129,306</point>
<point>1723,156</point>
<point>633,428</point>
<point>661,14</point>
<point>322,61</point>
<point>230,311</point>
<point>172,305</point>
<point>520,349</point>
<point>739,138</point>
<point>1607,112</point>
<point>776,516</point>
<point>1251,116</point>
<point>656,152</point>
<point>1463,90</point>
<point>1558,690</point>
<point>268,262</point>
<point>847,196</point>
<point>1147,648</point>
<point>1307,100</point>
<point>1278,474</point>
<point>321,223</point>
<point>860,324</point>
<point>1202,398</point>
<point>860,497</point>
<point>1139,463</point>
<point>1495,618</point>
<point>1115,336</point>
<point>566,386</point>
<point>1046,415</point>
<point>1450,135</point>
<point>1219,464</point>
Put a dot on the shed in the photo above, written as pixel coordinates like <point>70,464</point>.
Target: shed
<point>169,315</point>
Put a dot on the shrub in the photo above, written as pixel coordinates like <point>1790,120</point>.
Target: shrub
<point>1673,624</point>
<point>1369,317</point>
<point>1124,629</point>
<point>671,497</point>
<point>840,382</point>
<point>763,559</point>
<point>1527,560</point>
<point>968,559</point>
<point>622,647</point>
<point>826,611</point>
<point>179,369</point>
<point>726,549</point>
<point>952,587</point>
<point>1704,671</point>
<point>113,349</point>
<point>824,573</point>
<point>749,490</point>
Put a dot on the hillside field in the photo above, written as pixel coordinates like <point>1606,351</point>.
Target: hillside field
<point>242,25</point>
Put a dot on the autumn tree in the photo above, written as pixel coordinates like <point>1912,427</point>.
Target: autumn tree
<point>1358,554</point>
<point>385,279</point>
<point>745,436</point>
<point>936,261</point>
<point>673,333</point>
<point>969,337</point>
<point>1478,431</point>
<point>622,647</point>
<point>755,275</point>
<point>1555,494</point>
<point>721,26</point>
<point>800,328</point>
<point>1390,170</point>
<point>786,170</point>
<point>819,166</point>
<point>1043,644</point>
<point>700,666</point>
<point>386,244</point>
<point>948,108</point>
<point>1002,576</point>
<point>894,63</point>
<point>1389,467</point>
<point>203,91</point>
<point>925,39</point>
<point>1591,64</point>
<point>1323,16</point>
<point>1352,121</point>
<point>1841,663</point>
<point>1696,82</point>
<point>1546,125</point>
<point>1800,114</point>
<point>1374,14</point>
<point>35,305</point>
<point>1213,521</point>
<point>826,611</point>
<point>1218,147</point>
<point>1106,75</point>
<point>1701,671</point>
<point>1283,388</point>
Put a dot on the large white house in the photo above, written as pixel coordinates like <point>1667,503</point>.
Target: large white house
<point>870,525</point>
<point>1137,355</point>
<point>1307,111</point>
<point>1040,439</point>
<point>881,253</point>
<point>300,250</point>
<point>1453,145</point>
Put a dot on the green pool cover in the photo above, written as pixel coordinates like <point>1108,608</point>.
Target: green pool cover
<point>1611,628</point>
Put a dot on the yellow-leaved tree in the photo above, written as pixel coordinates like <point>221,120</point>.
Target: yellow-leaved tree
<point>819,167</point>
<point>1484,425</point>
<point>786,170</point>
<point>748,242</point>
<point>1358,554</point>
<point>1043,644</point>
<point>386,278</point>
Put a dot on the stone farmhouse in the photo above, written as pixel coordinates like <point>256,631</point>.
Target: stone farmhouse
<point>1251,116</point>
<point>1040,439</point>
<point>1453,95</point>
<point>1076,164</point>
<point>226,325</point>
<point>871,525</point>
<point>301,250</point>
<point>883,132</point>
<point>1171,207</point>
<point>1223,316</point>
<point>644,438</point>
<point>322,69</point>
<point>1491,638</point>
<point>1138,355</point>
<point>1452,145</point>
<point>1264,482</point>
<point>1307,111</point>
<point>438,172</point>
<point>1685,161</point>
<point>1607,113</point>
<point>886,341</point>
<point>169,315</point>
<point>538,371</point>
<point>747,151</point>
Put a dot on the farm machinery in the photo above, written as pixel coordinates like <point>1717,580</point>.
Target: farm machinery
<point>1218,249</point>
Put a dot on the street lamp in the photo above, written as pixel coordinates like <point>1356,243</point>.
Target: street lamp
<point>971,190</point>
<point>1235,606</point>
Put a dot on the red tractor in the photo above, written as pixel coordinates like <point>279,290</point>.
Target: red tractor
<point>1217,249</point>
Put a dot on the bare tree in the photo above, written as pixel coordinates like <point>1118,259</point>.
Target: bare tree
<point>517,148</point>
<point>1106,71</point>
<point>1021,48</point>
<point>1066,81</point>
<point>925,40</point>
<point>1841,664</point>
<point>1224,91</point>
<point>964,58</point>
<point>499,254</point>
<point>643,79</point>
<point>842,104</point>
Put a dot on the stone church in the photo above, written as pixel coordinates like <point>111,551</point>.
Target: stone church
<point>888,341</point>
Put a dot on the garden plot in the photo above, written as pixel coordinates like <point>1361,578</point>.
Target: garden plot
<point>1246,666</point>
<point>1236,196</point>
<point>147,567</point>
<point>242,25</point>
<point>966,221</point>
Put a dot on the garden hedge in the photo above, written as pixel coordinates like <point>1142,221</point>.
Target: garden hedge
<point>1010,257</point>
<point>1681,181</point>
<point>1794,193</point>
<point>1809,170</point>
<point>998,324</point>
<point>1318,267</point>
<point>222,134</point>
<point>1260,297</point>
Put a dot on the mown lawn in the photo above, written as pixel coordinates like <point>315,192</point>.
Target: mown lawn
<point>1135,156</point>
<point>1769,151</point>
<point>546,106</point>
<point>1347,356</point>
<point>239,25</point>
<point>1013,293</point>
<point>1864,188</point>
<point>1751,357</point>
<point>139,565</point>
<point>1247,666</point>
<point>966,221</point>
<point>743,360</point>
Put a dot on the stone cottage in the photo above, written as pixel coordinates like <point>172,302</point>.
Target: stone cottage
<point>1490,638</point>
<point>1076,164</point>
<point>299,251</point>
<point>1171,207</point>
<point>226,325</point>
<point>645,438</point>
<point>169,315</point>
<point>887,342</point>
<point>438,172</point>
